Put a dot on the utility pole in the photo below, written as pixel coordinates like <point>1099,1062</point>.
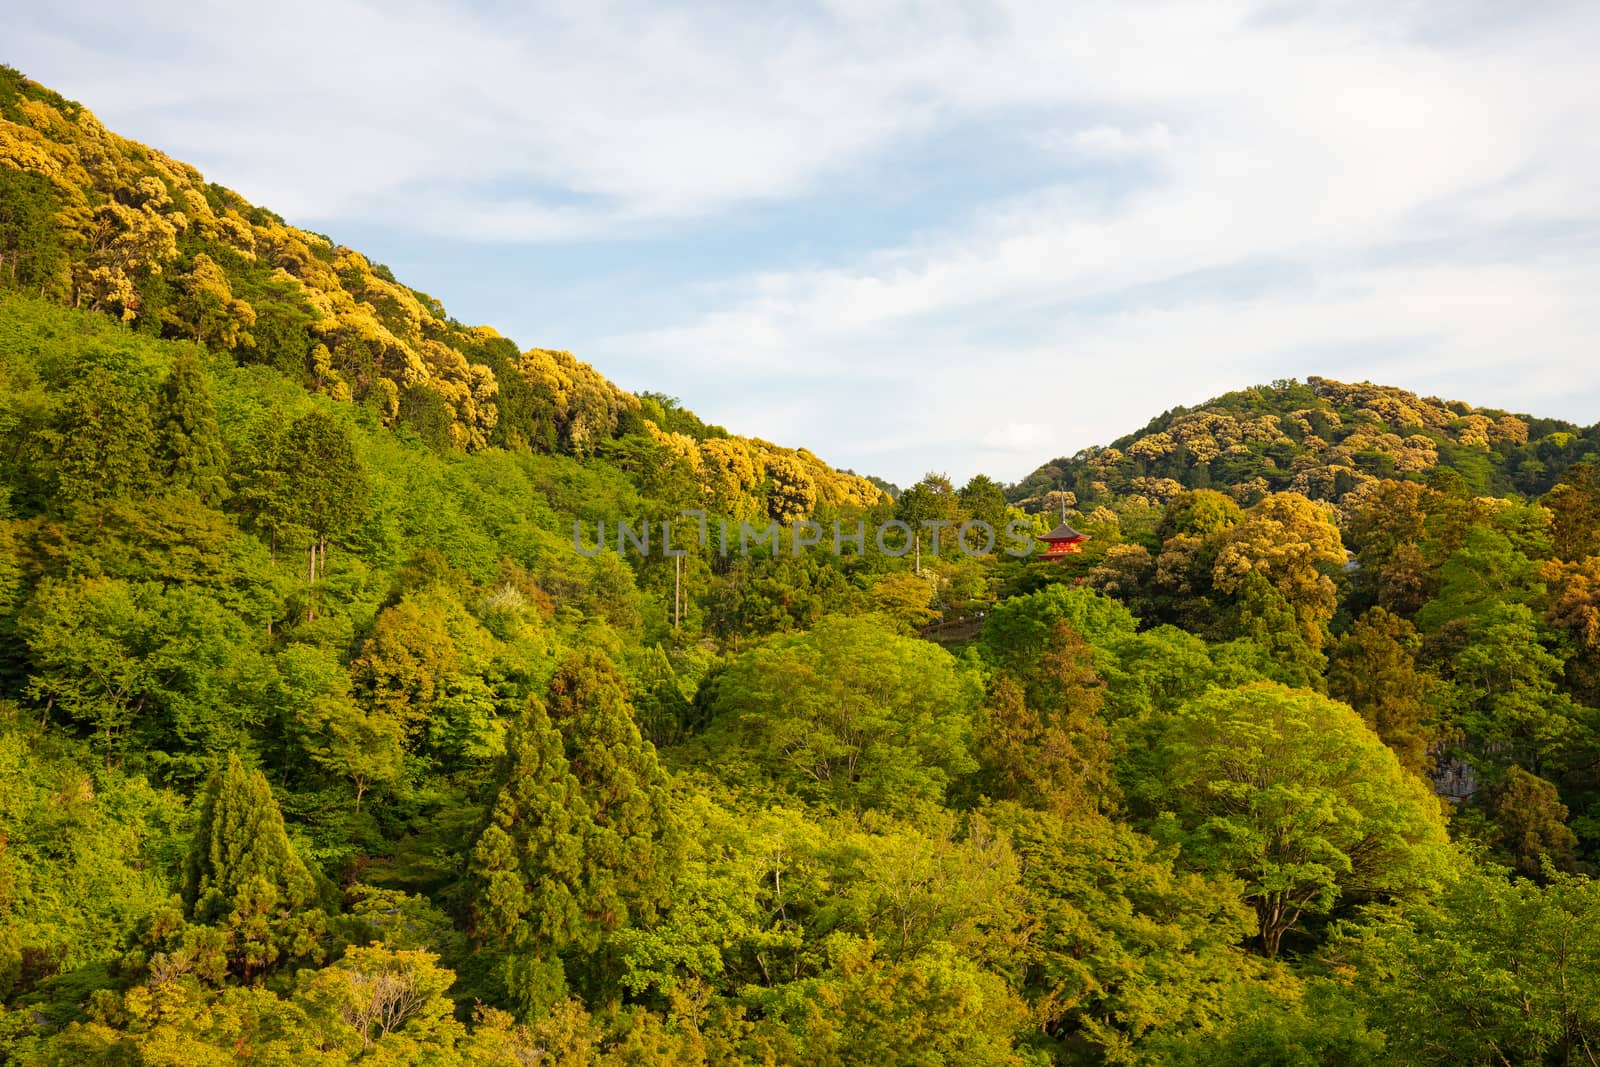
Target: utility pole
<point>677,586</point>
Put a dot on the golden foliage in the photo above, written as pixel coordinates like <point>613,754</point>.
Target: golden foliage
<point>125,207</point>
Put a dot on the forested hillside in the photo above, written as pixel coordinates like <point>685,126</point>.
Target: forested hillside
<point>1319,438</point>
<point>323,742</point>
<point>97,222</point>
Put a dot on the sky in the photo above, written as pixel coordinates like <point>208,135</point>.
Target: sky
<point>920,236</point>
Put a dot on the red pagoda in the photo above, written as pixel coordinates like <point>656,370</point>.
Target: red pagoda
<point>1062,541</point>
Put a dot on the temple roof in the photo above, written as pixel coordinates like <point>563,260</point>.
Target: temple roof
<point>1064,533</point>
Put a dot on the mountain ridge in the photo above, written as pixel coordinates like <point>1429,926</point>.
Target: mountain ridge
<point>94,220</point>
<point>1322,438</point>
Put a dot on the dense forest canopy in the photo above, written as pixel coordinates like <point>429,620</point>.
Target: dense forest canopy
<point>321,741</point>
<point>1320,438</point>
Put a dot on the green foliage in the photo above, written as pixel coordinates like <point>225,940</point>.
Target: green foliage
<point>1531,823</point>
<point>1042,739</point>
<point>1126,945</point>
<point>32,254</point>
<point>582,841</point>
<point>1374,670</point>
<point>1291,793</point>
<point>1018,631</point>
<point>316,729</point>
<point>244,876</point>
<point>103,442</point>
<point>851,712</point>
<point>191,445</point>
<point>84,856</point>
<point>1575,514</point>
<point>1303,1025</point>
<point>136,658</point>
<point>324,485</point>
<point>1494,970</point>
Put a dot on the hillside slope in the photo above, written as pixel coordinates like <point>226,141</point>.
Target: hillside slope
<point>1321,438</point>
<point>96,221</point>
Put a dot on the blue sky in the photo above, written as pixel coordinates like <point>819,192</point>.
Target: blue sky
<point>919,236</point>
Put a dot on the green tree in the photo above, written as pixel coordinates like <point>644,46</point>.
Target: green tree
<point>1575,514</point>
<point>661,709</point>
<point>1292,794</point>
<point>1503,695</point>
<point>355,740</point>
<point>1285,1023</point>
<point>1531,823</point>
<point>32,256</point>
<point>906,598</point>
<point>931,1009</point>
<point>983,500</point>
<point>932,500</point>
<point>245,876</point>
<point>1374,670</point>
<point>1020,630</point>
<point>1267,620</point>
<point>125,657</point>
<point>103,441</point>
<point>1495,970</point>
<point>533,897</point>
<point>323,484</point>
<point>636,832</point>
<point>1124,944</point>
<point>192,455</point>
<point>582,840</point>
<point>406,658</point>
<point>262,487</point>
<point>1045,742</point>
<point>851,712</point>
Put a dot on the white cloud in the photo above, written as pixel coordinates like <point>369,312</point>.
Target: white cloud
<point>1111,142</point>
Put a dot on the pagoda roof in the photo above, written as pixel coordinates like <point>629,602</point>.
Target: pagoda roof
<point>1064,533</point>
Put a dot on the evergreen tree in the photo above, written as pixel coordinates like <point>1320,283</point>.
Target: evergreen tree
<point>243,874</point>
<point>636,845</point>
<point>103,441</point>
<point>192,456</point>
<point>581,841</point>
<point>32,256</point>
<point>1575,514</point>
<point>1268,620</point>
<point>319,485</point>
<point>1531,823</point>
<point>983,499</point>
<point>532,894</point>
<point>1374,670</point>
<point>932,500</point>
<point>1042,741</point>
<point>660,708</point>
<point>261,493</point>
<point>325,484</point>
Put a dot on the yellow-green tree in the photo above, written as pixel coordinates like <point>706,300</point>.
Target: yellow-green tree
<point>1292,794</point>
<point>1294,544</point>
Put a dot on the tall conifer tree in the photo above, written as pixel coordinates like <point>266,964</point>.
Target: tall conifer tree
<point>192,455</point>
<point>243,874</point>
